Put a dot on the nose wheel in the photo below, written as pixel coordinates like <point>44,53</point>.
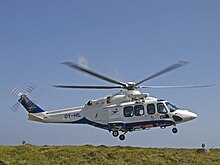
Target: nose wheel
<point>175,130</point>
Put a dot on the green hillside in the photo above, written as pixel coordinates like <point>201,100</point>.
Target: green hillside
<point>47,155</point>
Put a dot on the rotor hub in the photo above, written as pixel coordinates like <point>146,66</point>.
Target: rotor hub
<point>130,85</point>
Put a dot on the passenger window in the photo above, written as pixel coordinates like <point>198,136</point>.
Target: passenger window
<point>128,111</point>
<point>139,110</point>
<point>161,108</point>
<point>151,109</point>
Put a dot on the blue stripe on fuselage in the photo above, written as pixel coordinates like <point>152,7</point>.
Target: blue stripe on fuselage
<point>153,123</point>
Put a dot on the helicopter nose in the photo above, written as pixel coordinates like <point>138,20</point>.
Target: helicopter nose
<point>193,115</point>
<point>190,116</point>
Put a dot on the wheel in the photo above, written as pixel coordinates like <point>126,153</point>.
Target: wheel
<point>122,137</point>
<point>174,130</point>
<point>115,133</point>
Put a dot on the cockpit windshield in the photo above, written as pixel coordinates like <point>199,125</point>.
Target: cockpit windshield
<point>171,107</point>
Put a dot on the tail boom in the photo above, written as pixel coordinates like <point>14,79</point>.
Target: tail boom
<point>35,113</point>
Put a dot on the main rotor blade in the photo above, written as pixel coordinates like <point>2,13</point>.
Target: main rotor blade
<point>90,72</point>
<point>163,71</point>
<point>190,86</point>
<point>87,87</point>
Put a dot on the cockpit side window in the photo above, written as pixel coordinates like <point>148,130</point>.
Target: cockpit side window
<point>171,107</point>
<point>161,108</point>
<point>128,111</point>
<point>151,109</point>
<point>139,110</point>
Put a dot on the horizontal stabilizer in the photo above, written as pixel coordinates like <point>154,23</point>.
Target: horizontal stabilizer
<point>33,117</point>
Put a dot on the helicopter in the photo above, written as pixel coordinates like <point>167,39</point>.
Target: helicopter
<point>125,111</point>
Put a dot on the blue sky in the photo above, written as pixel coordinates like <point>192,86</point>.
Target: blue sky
<point>127,40</point>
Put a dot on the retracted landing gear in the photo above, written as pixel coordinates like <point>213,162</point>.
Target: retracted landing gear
<point>174,130</point>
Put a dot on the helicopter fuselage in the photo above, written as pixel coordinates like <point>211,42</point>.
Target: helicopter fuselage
<point>125,111</point>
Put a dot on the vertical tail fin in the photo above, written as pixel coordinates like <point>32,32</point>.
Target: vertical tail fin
<point>29,105</point>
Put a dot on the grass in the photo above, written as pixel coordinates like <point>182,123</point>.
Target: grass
<point>88,154</point>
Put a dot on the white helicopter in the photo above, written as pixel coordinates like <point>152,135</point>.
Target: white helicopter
<point>126,111</point>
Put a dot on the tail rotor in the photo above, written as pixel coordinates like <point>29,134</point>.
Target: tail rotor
<point>16,92</point>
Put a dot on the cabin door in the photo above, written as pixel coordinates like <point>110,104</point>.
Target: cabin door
<point>115,114</point>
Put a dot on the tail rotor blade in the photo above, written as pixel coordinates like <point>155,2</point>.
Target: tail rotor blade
<point>16,92</point>
<point>31,87</point>
<point>15,107</point>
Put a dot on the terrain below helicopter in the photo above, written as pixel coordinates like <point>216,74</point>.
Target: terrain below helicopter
<point>125,111</point>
